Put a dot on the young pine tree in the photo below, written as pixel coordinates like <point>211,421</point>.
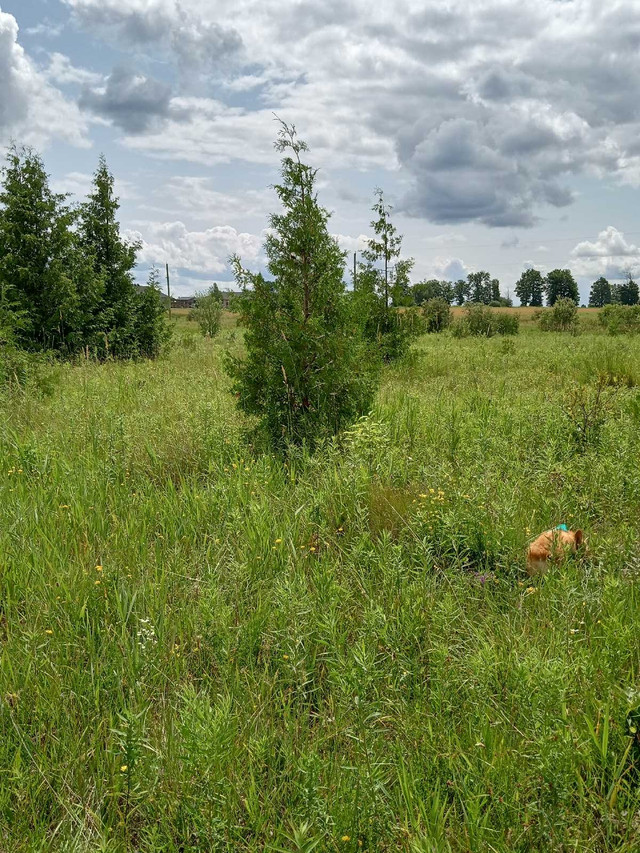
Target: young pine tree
<point>306,373</point>
<point>384,247</point>
<point>114,312</point>
<point>382,282</point>
<point>36,253</point>
<point>151,328</point>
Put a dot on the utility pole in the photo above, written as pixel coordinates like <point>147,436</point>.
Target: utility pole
<point>168,288</point>
<point>354,271</point>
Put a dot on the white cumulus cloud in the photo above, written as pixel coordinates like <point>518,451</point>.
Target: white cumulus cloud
<point>609,255</point>
<point>31,109</point>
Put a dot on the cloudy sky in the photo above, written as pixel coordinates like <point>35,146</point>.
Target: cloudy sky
<point>506,133</point>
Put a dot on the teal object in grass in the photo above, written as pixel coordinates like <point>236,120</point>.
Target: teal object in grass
<point>562,527</point>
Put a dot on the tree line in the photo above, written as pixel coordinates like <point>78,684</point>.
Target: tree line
<point>531,288</point>
<point>604,293</point>
<point>66,283</point>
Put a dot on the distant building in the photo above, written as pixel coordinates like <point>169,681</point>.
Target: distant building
<point>183,301</point>
<point>228,296</point>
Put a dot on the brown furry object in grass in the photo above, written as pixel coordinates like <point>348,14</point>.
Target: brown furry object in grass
<point>552,546</point>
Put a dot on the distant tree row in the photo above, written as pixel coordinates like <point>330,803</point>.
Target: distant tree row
<point>478,288</point>
<point>604,293</point>
<point>532,287</point>
<point>66,283</point>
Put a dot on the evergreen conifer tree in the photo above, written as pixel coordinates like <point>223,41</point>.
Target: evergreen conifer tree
<point>36,253</point>
<point>113,259</point>
<point>306,373</point>
<point>151,328</point>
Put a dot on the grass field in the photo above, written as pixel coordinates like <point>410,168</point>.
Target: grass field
<point>203,649</point>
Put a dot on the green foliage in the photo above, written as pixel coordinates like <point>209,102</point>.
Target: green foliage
<point>423,291</point>
<point>560,284</point>
<point>382,287</point>
<point>530,288</point>
<point>153,333</point>
<point>68,272</point>
<point>208,311</point>
<point>437,314</point>
<point>627,292</point>
<point>381,251</point>
<point>306,373</point>
<point>462,291</point>
<point>587,408</point>
<point>36,251</point>
<point>563,317</point>
<point>480,287</point>
<point>600,294</point>
<point>620,319</point>
<point>114,307</point>
<point>480,320</point>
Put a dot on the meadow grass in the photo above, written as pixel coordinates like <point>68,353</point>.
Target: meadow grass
<point>203,648</point>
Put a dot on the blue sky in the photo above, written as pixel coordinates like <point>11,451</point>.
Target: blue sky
<point>505,134</point>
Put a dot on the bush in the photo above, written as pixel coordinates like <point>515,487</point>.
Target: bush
<point>620,319</point>
<point>208,311</point>
<point>153,332</point>
<point>563,317</point>
<point>507,324</point>
<point>482,321</point>
<point>437,314</point>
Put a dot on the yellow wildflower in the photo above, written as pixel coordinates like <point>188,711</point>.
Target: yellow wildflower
<point>124,768</point>
<point>48,631</point>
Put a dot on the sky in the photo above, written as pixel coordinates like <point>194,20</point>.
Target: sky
<point>505,134</point>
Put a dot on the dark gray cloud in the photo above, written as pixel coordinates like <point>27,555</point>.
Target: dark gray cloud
<point>132,101</point>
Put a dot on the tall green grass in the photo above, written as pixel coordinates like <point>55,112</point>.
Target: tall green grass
<point>204,649</point>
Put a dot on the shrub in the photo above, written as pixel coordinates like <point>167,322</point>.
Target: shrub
<point>482,321</point>
<point>587,408</point>
<point>563,317</point>
<point>208,311</point>
<point>507,324</point>
<point>437,314</point>
<point>153,332</point>
<point>620,319</point>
